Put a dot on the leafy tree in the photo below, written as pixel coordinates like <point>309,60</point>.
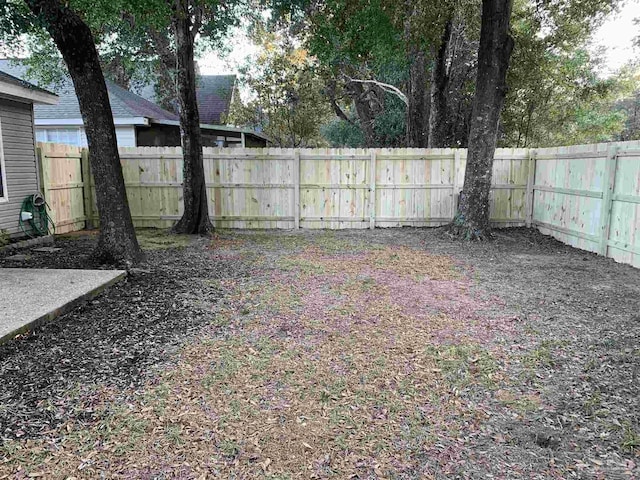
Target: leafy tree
<point>117,242</point>
<point>287,97</point>
<point>431,49</point>
<point>553,80</point>
<point>381,51</point>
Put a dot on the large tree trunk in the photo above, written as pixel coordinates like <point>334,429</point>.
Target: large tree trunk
<point>439,93</point>
<point>418,108</point>
<point>195,218</point>
<point>472,219</point>
<point>117,242</point>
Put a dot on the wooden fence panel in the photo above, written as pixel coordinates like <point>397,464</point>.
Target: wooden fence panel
<point>63,185</point>
<point>311,188</point>
<point>568,194</point>
<point>414,187</point>
<point>250,188</point>
<point>508,198</point>
<point>153,178</point>
<point>623,241</point>
<point>588,196</point>
<point>334,188</point>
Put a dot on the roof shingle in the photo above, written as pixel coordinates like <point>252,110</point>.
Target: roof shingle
<point>124,104</point>
<point>213,93</point>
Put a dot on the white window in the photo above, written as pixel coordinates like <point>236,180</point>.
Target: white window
<point>68,136</point>
<point>4,197</point>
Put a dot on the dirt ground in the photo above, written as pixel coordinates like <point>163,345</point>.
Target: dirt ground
<point>394,353</point>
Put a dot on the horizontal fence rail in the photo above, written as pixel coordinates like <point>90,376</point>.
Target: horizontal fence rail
<point>587,196</point>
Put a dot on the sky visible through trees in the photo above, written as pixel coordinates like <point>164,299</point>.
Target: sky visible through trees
<point>616,35</point>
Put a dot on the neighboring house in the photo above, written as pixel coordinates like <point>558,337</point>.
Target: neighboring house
<point>18,163</point>
<point>138,121</point>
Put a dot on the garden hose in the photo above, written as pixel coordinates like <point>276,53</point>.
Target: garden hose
<point>34,219</point>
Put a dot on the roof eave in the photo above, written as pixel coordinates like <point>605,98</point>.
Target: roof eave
<point>24,94</point>
<point>41,122</point>
<point>209,126</point>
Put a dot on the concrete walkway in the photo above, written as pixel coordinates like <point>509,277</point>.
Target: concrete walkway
<point>29,296</point>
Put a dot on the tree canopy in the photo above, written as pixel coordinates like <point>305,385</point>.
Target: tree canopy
<point>286,97</point>
<point>368,72</point>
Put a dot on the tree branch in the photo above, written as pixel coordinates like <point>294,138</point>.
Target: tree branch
<point>384,86</point>
<point>331,93</point>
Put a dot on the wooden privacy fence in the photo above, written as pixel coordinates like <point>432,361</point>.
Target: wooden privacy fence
<point>287,188</point>
<point>587,196</point>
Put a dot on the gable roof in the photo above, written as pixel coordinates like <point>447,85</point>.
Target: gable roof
<point>124,104</point>
<point>213,93</point>
<point>214,96</point>
<point>14,87</point>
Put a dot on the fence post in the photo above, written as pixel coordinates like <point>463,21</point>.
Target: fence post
<point>45,176</point>
<point>296,190</point>
<point>531,178</point>
<point>609,184</point>
<point>40,165</point>
<point>372,190</point>
<point>456,185</point>
<point>86,187</point>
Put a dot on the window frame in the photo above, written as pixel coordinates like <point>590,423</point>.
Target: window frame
<point>4,195</point>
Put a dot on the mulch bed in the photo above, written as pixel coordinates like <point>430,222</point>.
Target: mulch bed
<point>114,341</point>
<point>349,354</point>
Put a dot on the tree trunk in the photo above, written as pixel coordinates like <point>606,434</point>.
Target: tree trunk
<point>362,100</point>
<point>418,108</point>
<point>165,84</point>
<point>439,93</point>
<point>195,218</point>
<point>472,218</point>
<point>117,242</point>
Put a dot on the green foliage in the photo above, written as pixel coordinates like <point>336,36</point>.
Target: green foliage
<point>389,128</point>
<point>288,102</point>
<point>391,124</point>
<point>555,95</point>
<point>340,133</point>
<point>134,39</point>
<point>628,103</point>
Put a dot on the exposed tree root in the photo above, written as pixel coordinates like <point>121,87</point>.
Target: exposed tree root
<point>461,229</point>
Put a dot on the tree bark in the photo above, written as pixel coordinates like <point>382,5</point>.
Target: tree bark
<point>496,44</point>
<point>366,110</point>
<point>165,86</point>
<point>418,108</point>
<point>195,218</point>
<point>117,242</point>
<point>330,91</point>
<point>439,93</point>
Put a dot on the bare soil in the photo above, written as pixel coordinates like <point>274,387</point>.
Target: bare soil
<point>350,354</point>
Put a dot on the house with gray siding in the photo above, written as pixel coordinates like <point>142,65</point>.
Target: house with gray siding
<point>18,163</point>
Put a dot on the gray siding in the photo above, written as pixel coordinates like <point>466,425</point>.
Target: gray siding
<point>19,160</point>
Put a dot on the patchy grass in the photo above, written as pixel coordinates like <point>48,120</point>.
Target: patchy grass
<point>158,239</point>
<point>335,359</point>
<point>630,438</point>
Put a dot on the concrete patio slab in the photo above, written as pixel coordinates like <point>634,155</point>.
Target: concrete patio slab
<point>29,296</point>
